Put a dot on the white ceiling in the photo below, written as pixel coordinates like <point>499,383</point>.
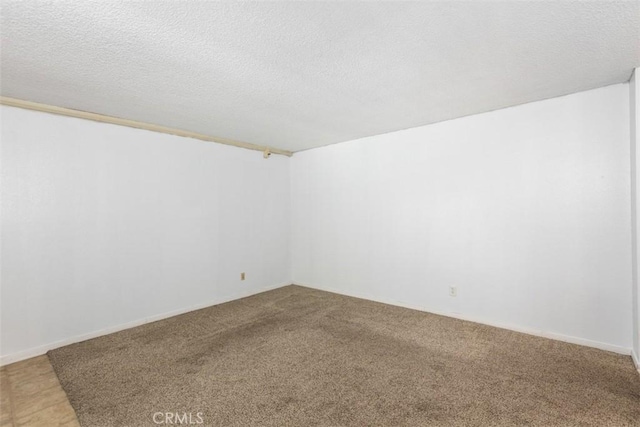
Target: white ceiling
<point>297,75</point>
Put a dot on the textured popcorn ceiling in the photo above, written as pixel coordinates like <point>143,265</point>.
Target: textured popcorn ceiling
<point>301,75</point>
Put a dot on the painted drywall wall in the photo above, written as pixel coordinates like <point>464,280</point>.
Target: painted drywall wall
<point>526,211</point>
<point>634,109</point>
<point>105,227</point>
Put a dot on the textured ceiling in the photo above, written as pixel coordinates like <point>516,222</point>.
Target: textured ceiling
<point>297,75</point>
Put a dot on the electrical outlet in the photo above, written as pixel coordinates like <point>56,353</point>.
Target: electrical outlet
<point>453,291</point>
<point>241,276</point>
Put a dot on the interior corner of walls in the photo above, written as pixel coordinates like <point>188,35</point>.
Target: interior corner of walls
<point>636,360</point>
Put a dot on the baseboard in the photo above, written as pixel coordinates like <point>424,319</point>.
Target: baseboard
<point>551,335</point>
<point>42,349</point>
<point>636,360</point>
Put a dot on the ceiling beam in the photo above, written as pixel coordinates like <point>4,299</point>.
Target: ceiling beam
<point>52,109</point>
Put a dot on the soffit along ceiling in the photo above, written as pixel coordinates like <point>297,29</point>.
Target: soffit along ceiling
<point>297,75</point>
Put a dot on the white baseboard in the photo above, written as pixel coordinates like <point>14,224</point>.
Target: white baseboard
<point>42,349</point>
<point>636,360</point>
<point>524,330</point>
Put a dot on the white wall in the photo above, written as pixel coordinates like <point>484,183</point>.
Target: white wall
<point>105,226</point>
<point>525,210</point>
<point>634,100</point>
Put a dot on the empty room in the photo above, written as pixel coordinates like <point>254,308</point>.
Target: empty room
<point>319,213</point>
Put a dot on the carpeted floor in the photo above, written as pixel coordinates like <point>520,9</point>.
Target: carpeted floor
<point>301,357</point>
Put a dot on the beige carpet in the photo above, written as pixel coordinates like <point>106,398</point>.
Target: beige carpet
<point>300,357</point>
